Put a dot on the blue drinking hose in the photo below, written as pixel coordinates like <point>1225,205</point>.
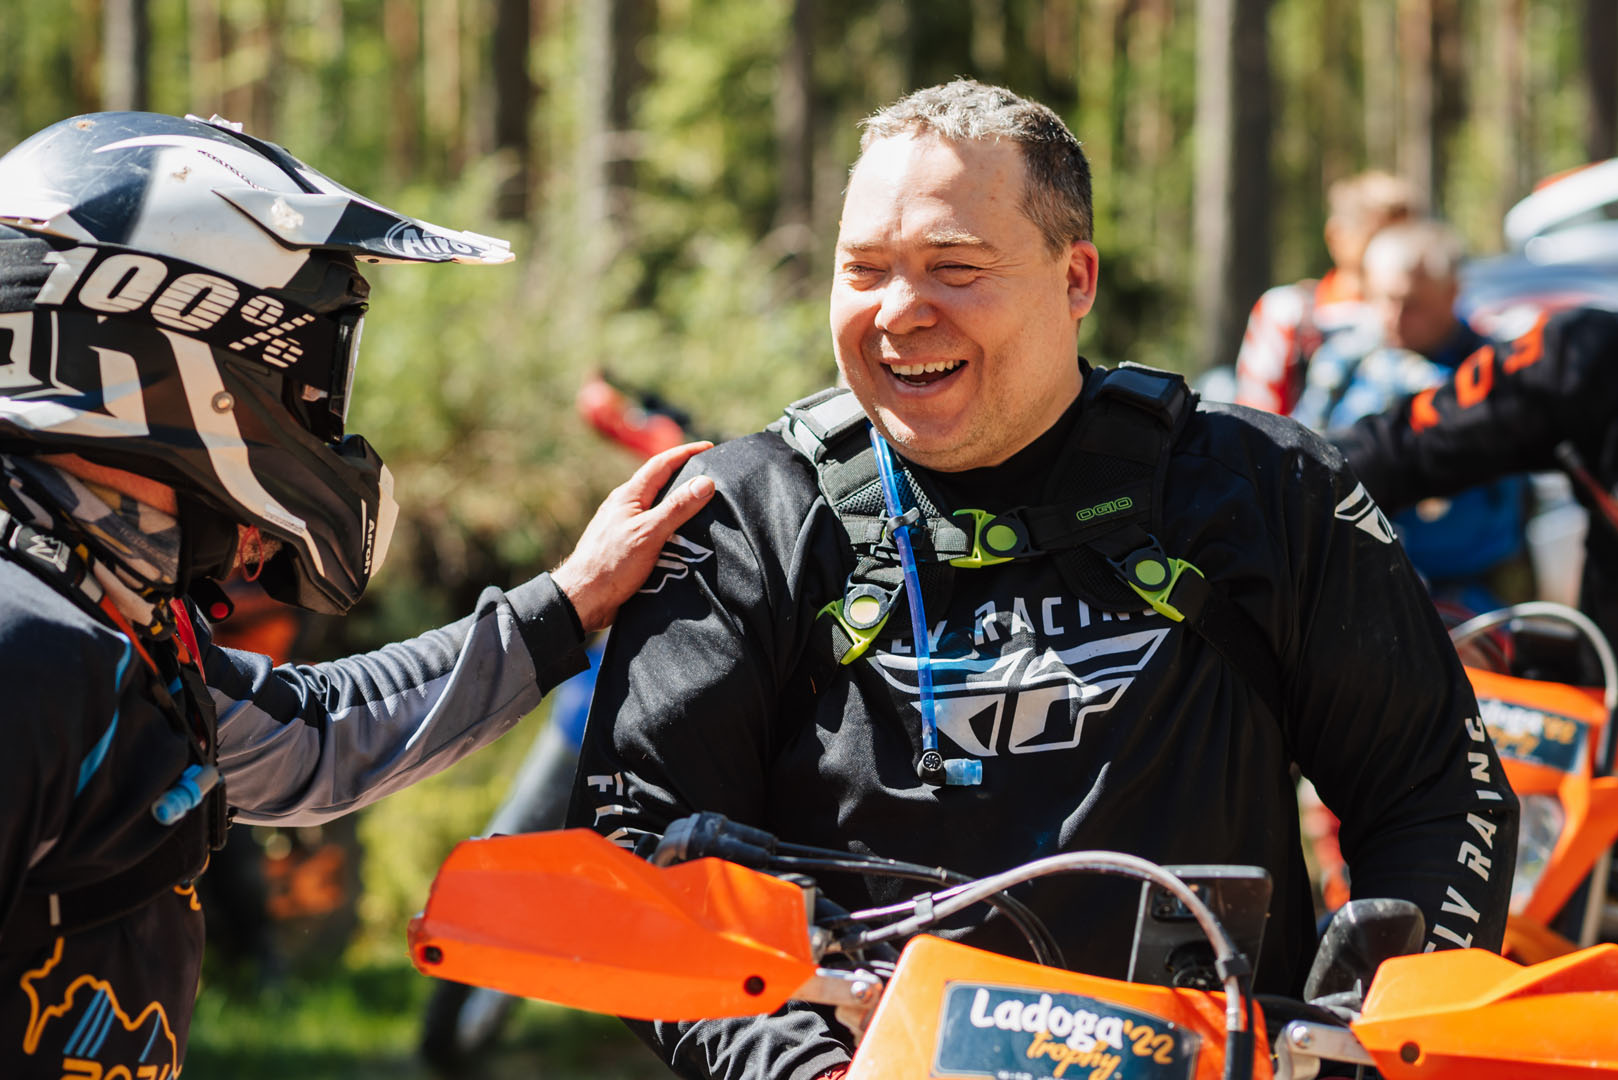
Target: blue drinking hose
<point>186,794</point>
<point>956,771</point>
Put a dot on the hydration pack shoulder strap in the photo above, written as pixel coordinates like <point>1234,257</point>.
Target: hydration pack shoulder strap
<point>181,855</point>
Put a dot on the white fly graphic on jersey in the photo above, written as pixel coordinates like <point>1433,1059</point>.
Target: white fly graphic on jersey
<point>674,562</point>
<point>1029,699</point>
<point>1360,509</point>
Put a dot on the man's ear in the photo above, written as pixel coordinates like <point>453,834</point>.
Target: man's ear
<point>1083,271</point>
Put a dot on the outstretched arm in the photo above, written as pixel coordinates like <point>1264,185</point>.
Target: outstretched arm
<point>1505,410</point>
<point>302,744</point>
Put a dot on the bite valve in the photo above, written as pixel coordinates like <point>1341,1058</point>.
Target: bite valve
<point>954,772</point>
<point>185,795</point>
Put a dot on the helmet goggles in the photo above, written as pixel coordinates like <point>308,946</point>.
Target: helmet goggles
<point>314,351</point>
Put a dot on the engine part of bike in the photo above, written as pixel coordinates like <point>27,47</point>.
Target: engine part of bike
<point>1361,935</point>
<point>1170,948</point>
<point>529,915</point>
<point>932,766</point>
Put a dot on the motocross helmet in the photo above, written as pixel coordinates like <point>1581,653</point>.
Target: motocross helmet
<point>182,301</point>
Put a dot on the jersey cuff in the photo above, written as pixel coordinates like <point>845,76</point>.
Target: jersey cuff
<point>551,630</point>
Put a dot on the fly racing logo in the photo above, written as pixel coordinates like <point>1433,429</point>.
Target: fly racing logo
<point>1027,699</point>
<point>1363,511</point>
<point>674,562</point>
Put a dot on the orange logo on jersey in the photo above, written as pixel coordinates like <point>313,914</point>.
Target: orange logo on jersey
<point>1475,377</point>
<point>85,1049</point>
<point>1528,348</point>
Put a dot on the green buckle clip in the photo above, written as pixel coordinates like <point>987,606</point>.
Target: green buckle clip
<point>1153,575</point>
<point>868,609</point>
<point>996,538</point>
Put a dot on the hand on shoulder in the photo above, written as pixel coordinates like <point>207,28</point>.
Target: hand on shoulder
<point>620,546</point>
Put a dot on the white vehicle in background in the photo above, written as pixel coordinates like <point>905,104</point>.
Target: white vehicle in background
<point>1561,252</point>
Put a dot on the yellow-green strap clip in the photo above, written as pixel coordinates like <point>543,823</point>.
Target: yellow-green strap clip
<point>865,620</point>
<point>1154,575</point>
<point>996,539</point>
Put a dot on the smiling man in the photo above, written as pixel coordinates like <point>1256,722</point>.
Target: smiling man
<point>1137,612</point>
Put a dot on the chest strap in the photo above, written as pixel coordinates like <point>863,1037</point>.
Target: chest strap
<point>178,860</point>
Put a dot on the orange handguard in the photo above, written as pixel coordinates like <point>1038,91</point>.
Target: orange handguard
<point>571,918</point>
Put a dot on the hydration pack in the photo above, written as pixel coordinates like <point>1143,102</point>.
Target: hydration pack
<point>1103,539</point>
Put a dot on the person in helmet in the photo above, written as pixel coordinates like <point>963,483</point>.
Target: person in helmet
<point>180,315</point>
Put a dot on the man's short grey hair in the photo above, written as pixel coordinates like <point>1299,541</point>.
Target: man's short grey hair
<point>1057,198</point>
<point>1429,246</point>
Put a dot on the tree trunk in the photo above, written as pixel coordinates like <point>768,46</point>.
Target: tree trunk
<point>1379,43</point>
<point>206,34</point>
<point>1510,65</point>
<point>795,144</point>
<point>401,32</point>
<point>1600,79</point>
<point>1055,27</point>
<point>613,30</point>
<point>1416,96</point>
<point>1152,131</point>
<point>989,40</point>
<point>125,52</point>
<point>513,106</point>
<point>1232,241</point>
<point>1449,92</point>
<point>268,82</point>
<point>441,90</point>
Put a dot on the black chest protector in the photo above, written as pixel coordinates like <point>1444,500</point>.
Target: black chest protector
<point>1101,535</point>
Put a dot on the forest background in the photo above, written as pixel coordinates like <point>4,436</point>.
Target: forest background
<point>670,172</point>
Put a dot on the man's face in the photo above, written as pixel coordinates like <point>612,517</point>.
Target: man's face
<point>953,322</point>
<point>1348,236</point>
<point>1417,310</point>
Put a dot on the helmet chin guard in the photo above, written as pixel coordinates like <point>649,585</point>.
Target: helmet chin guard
<point>182,302</point>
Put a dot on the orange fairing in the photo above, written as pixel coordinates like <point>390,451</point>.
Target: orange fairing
<point>1474,1014</point>
<point>1546,735</point>
<point>955,1011</point>
<point>571,918</point>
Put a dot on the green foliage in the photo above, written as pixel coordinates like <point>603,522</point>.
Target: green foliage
<point>363,1022</point>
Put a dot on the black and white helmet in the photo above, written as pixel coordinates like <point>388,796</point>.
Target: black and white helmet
<point>182,301</point>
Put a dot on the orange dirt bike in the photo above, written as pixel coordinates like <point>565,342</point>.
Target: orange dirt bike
<point>1556,744</point>
<point>570,918</point>
<point>1555,738</point>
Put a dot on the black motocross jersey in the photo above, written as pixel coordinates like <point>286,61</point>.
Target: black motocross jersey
<point>1508,409</point>
<point>1095,730</point>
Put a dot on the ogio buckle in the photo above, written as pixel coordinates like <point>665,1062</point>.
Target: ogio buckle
<point>1153,575</point>
<point>996,538</point>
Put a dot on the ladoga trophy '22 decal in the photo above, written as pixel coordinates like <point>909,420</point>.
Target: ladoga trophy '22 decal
<point>1029,699</point>
<point>1004,1031</point>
